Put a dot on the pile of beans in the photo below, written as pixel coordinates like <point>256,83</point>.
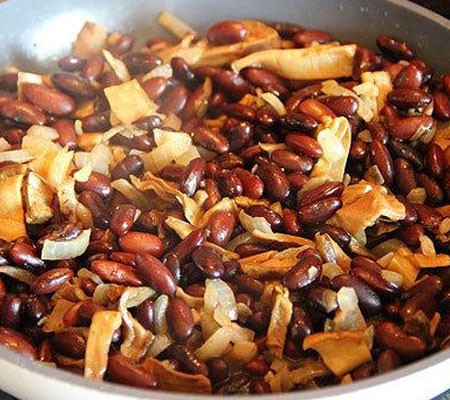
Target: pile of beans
<point>146,252</point>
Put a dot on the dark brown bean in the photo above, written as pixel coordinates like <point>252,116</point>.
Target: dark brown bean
<point>94,67</point>
<point>214,196</point>
<point>387,361</point>
<point>256,367</point>
<point>407,128</point>
<point>328,189</point>
<point>227,32</point>
<point>181,69</point>
<point>192,176</point>
<point>301,324</point>
<point>24,255</point>
<point>130,165</point>
<point>184,249</point>
<point>276,185</point>
<point>408,153</point>
<point>156,274</point>
<point>395,48</point>
<point>218,369</point>
<point>409,77</point>
<point>122,219</point>
<point>174,100</point>
<point>272,217</point>
<point>122,45</point>
<point>96,122</point>
<point>419,302</point>
<point>344,106</point>
<point>315,109</point>
<point>290,222</point>
<point>296,180</point>
<point>390,336</point>
<point>239,111</point>
<point>69,343</point>
<point>252,185</point>
<point>155,87</point>
<point>307,38</point>
<point>227,161</point>
<point>232,84</point>
<point>286,30</point>
<point>435,195</point>
<point>266,80</point>
<point>74,85</point>
<point>17,342</point>
<point>144,314</point>
<point>22,113</point>
<point>318,211</point>
<point>429,217</point>
<point>51,281</point>
<point>146,124</point>
<point>304,145</point>
<point>250,249</point>
<point>48,99</point>
<point>441,102</point>
<point>115,272</point>
<point>141,62</point>
<point>66,131</point>
<point>405,178</point>
<point>369,271</point>
<point>410,234</point>
<point>431,285</point>
<point>72,63</point>
<point>409,98</point>
<point>303,274</point>
<point>297,121</point>
<point>11,313</point>
<point>239,136</point>
<point>221,226</point>
<point>435,160</point>
<point>97,207</point>
<point>122,370</point>
<point>187,359</point>
<point>180,320</point>
<point>369,301</point>
<point>292,162</point>
<point>97,183</point>
<point>249,285</point>
<point>208,262</point>
<point>229,184</point>
<point>34,309</point>
<point>382,159</point>
<point>210,140</point>
<point>141,242</point>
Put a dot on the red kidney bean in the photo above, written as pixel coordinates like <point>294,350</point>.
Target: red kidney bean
<point>232,84</point>
<point>296,180</point>
<point>318,211</point>
<point>221,226</point>
<point>24,255</point>
<point>210,140</point>
<point>395,48</point>
<point>307,38</point>
<point>441,105</point>
<point>34,309</point>
<point>184,249</point>
<point>72,63</point>
<point>228,161</point>
<point>405,178</point>
<point>410,234</point>
<point>122,370</point>
<point>358,150</point>
<point>276,185</point>
<point>431,285</point>
<point>97,208</point>
<point>429,217</point>
<point>69,343</point>
<point>10,317</point>
<point>250,249</point>
<point>8,81</point>
<point>406,128</point>
<point>48,99</point>
<point>435,195</point>
<point>292,162</point>
<point>266,80</point>
<point>301,324</point>
<point>252,185</point>
<point>174,100</point>
<point>181,70</point>
<point>115,272</point>
<point>290,222</point>
<point>208,262</point>
<point>328,189</point>
<point>304,144</point>
<point>74,85</point>
<point>382,159</point>
<point>390,336</point>
<point>214,196</point>
<point>286,30</point>
<point>192,176</point>
<point>218,369</point>
<point>130,165</point>
<point>22,113</point>
<point>369,300</point>
<point>272,217</point>
<point>141,142</point>
<point>140,242</point>
<point>17,342</point>
<point>187,360</point>
<point>154,273</point>
<point>405,99</point>
<point>239,136</point>
<point>435,160</point>
<point>239,111</point>
<point>172,172</point>
<point>256,367</point>
<point>229,184</point>
<point>345,106</point>
<point>303,274</point>
<point>409,77</point>
<point>227,32</point>
<point>387,361</point>
<point>51,281</point>
<point>146,124</point>
<point>419,302</point>
<point>267,116</point>
<point>144,314</point>
<point>403,150</point>
<point>122,45</point>
<point>94,67</point>
<point>180,320</point>
<point>97,183</point>
<point>315,109</point>
<point>340,236</point>
<point>141,62</point>
<point>155,87</point>
<point>66,131</point>
<point>122,219</point>
<point>297,121</point>
<point>249,285</point>
<point>96,122</point>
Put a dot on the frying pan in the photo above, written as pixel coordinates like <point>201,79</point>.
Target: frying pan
<point>35,33</point>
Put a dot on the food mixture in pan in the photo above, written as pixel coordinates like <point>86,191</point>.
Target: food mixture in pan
<point>263,209</point>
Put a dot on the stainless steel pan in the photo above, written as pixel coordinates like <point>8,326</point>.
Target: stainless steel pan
<point>36,32</point>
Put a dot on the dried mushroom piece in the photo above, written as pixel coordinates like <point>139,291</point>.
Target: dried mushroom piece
<point>55,321</point>
<point>342,352</point>
<point>260,36</point>
<point>317,62</point>
<point>12,216</point>
<point>176,381</point>
<point>400,263</point>
<point>90,40</point>
<point>363,205</point>
<point>348,317</point>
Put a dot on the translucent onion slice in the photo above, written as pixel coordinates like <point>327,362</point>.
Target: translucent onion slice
<point>118,66</point>
<point>275,102</point>
<point>18,156</point>
<point>66,249</point>
<point>220,301</point>
<point>20,274</point>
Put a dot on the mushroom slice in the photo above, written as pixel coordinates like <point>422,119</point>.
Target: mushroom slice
<point>12,218</point>
<point>38,200</point>
<point>342,352</point>
<point>317,62</point>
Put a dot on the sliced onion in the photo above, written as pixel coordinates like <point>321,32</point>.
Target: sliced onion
<point>44,132</point>
<point>175,25</point>
<point>66,249</point>
<point>18,156</point>
<point>242,352</point>
<point>98,158</point>
<point>220,301</point>
<point>130,192</point>
<point>128,131</point>
<point>159,311</point>
<point>252,224</point>
<point>275,102</point>
<point>20,274</point>
<point>160,343</point>
<point>84,273</point>
<point>4,145</point>
<point>393,277</point>
<point>83,174</point>
<point>118,66</point>
<point>417,195</point>
<point>163,71</point>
